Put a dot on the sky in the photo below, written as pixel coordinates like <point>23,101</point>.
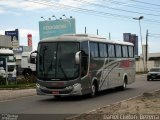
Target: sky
<point>108,16</point>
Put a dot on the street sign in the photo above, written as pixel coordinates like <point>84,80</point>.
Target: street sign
<point>14,37</point>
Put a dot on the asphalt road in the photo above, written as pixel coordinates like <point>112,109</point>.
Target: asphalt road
<point>76,105</point>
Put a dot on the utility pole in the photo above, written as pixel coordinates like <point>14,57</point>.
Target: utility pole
<point>146,49</point>
<point>97,31</point>
<point>139,19</point>
<point>85,29</point>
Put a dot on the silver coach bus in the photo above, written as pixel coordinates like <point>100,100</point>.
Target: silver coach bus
<point>80,64</point>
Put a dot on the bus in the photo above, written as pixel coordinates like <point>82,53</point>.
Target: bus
<point>78,64</point>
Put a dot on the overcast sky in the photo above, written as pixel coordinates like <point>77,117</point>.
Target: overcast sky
<point>108,16</point>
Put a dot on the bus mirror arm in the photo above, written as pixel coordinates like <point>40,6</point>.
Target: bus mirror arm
<point>29,58</point>
<point>34,51</point>
<point>77,57</point>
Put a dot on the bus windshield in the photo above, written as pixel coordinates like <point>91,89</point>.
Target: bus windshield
<point>57,61</point>
<point>10,58</point>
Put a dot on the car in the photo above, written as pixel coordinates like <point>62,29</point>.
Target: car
<point>154,73</point>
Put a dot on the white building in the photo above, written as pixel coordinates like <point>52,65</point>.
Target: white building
<point>153,61</point>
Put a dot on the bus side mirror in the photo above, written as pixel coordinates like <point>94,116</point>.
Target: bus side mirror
<point>77,57</point>
<point>32,57</point>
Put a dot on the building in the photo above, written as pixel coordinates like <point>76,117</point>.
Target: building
<point>18,53</point>
<point>5,41</point>
<point>133,38</point>
<point>152,61</point>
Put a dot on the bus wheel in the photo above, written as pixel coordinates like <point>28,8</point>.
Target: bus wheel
<point>93,90</point>
<point>124,86</point>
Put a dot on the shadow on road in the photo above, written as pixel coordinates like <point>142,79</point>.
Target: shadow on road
<point>154,80</point>
<point>85,97</point>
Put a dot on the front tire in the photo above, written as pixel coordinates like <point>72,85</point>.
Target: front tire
<point>93,90</point>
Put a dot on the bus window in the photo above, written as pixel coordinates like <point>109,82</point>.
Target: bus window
<point>111,51</point>
<point>84,61</point>
<point>118,51</point>
<point>103,50</point>
<point>125,51</point>
<point>94,49</point>
<point>130,48</point>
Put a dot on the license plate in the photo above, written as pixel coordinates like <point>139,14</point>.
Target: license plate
<point>55,92</point>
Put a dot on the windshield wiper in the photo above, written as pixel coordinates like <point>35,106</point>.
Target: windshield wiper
<point>60,65</point>
<point>44,52</point>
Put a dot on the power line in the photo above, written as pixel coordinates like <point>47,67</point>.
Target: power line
<point>88,11</point>
<point>79,9</point>
<point>117,9</point>
<point>154,35</point>
<point>134,6</point>
<point>145,3</point>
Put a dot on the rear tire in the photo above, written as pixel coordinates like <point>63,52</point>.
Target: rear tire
<point>124,86</point>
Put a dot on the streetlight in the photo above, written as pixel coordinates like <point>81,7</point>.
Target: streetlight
<point>43,18</point>
<point>64,16</point>
<point>139,19</point>
<point>54,16</point>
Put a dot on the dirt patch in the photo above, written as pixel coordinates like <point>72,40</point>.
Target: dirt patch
<point>144,107</point>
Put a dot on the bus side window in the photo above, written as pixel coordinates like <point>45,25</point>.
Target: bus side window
<point>111,50</point>
<point>84,59</point>
<point>125,51</point>
<point>118,51</point>
<point>103,50</point>
<point>131,51</point>
<point>94,49</point>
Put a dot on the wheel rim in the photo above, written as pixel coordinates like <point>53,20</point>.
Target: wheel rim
<point>93,90</point>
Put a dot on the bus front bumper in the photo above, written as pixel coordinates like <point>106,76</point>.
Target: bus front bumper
<point>75,89</point>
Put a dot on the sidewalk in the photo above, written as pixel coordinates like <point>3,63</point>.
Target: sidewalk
<point>13,94</point>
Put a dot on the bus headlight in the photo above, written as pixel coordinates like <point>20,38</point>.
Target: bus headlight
<point>69,88</point>
<point>77,87</point>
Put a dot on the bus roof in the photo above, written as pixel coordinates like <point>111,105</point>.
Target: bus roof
<point>83,37</point>
<point>6,51</point>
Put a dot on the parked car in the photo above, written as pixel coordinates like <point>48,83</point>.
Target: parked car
<point>154,73</point>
